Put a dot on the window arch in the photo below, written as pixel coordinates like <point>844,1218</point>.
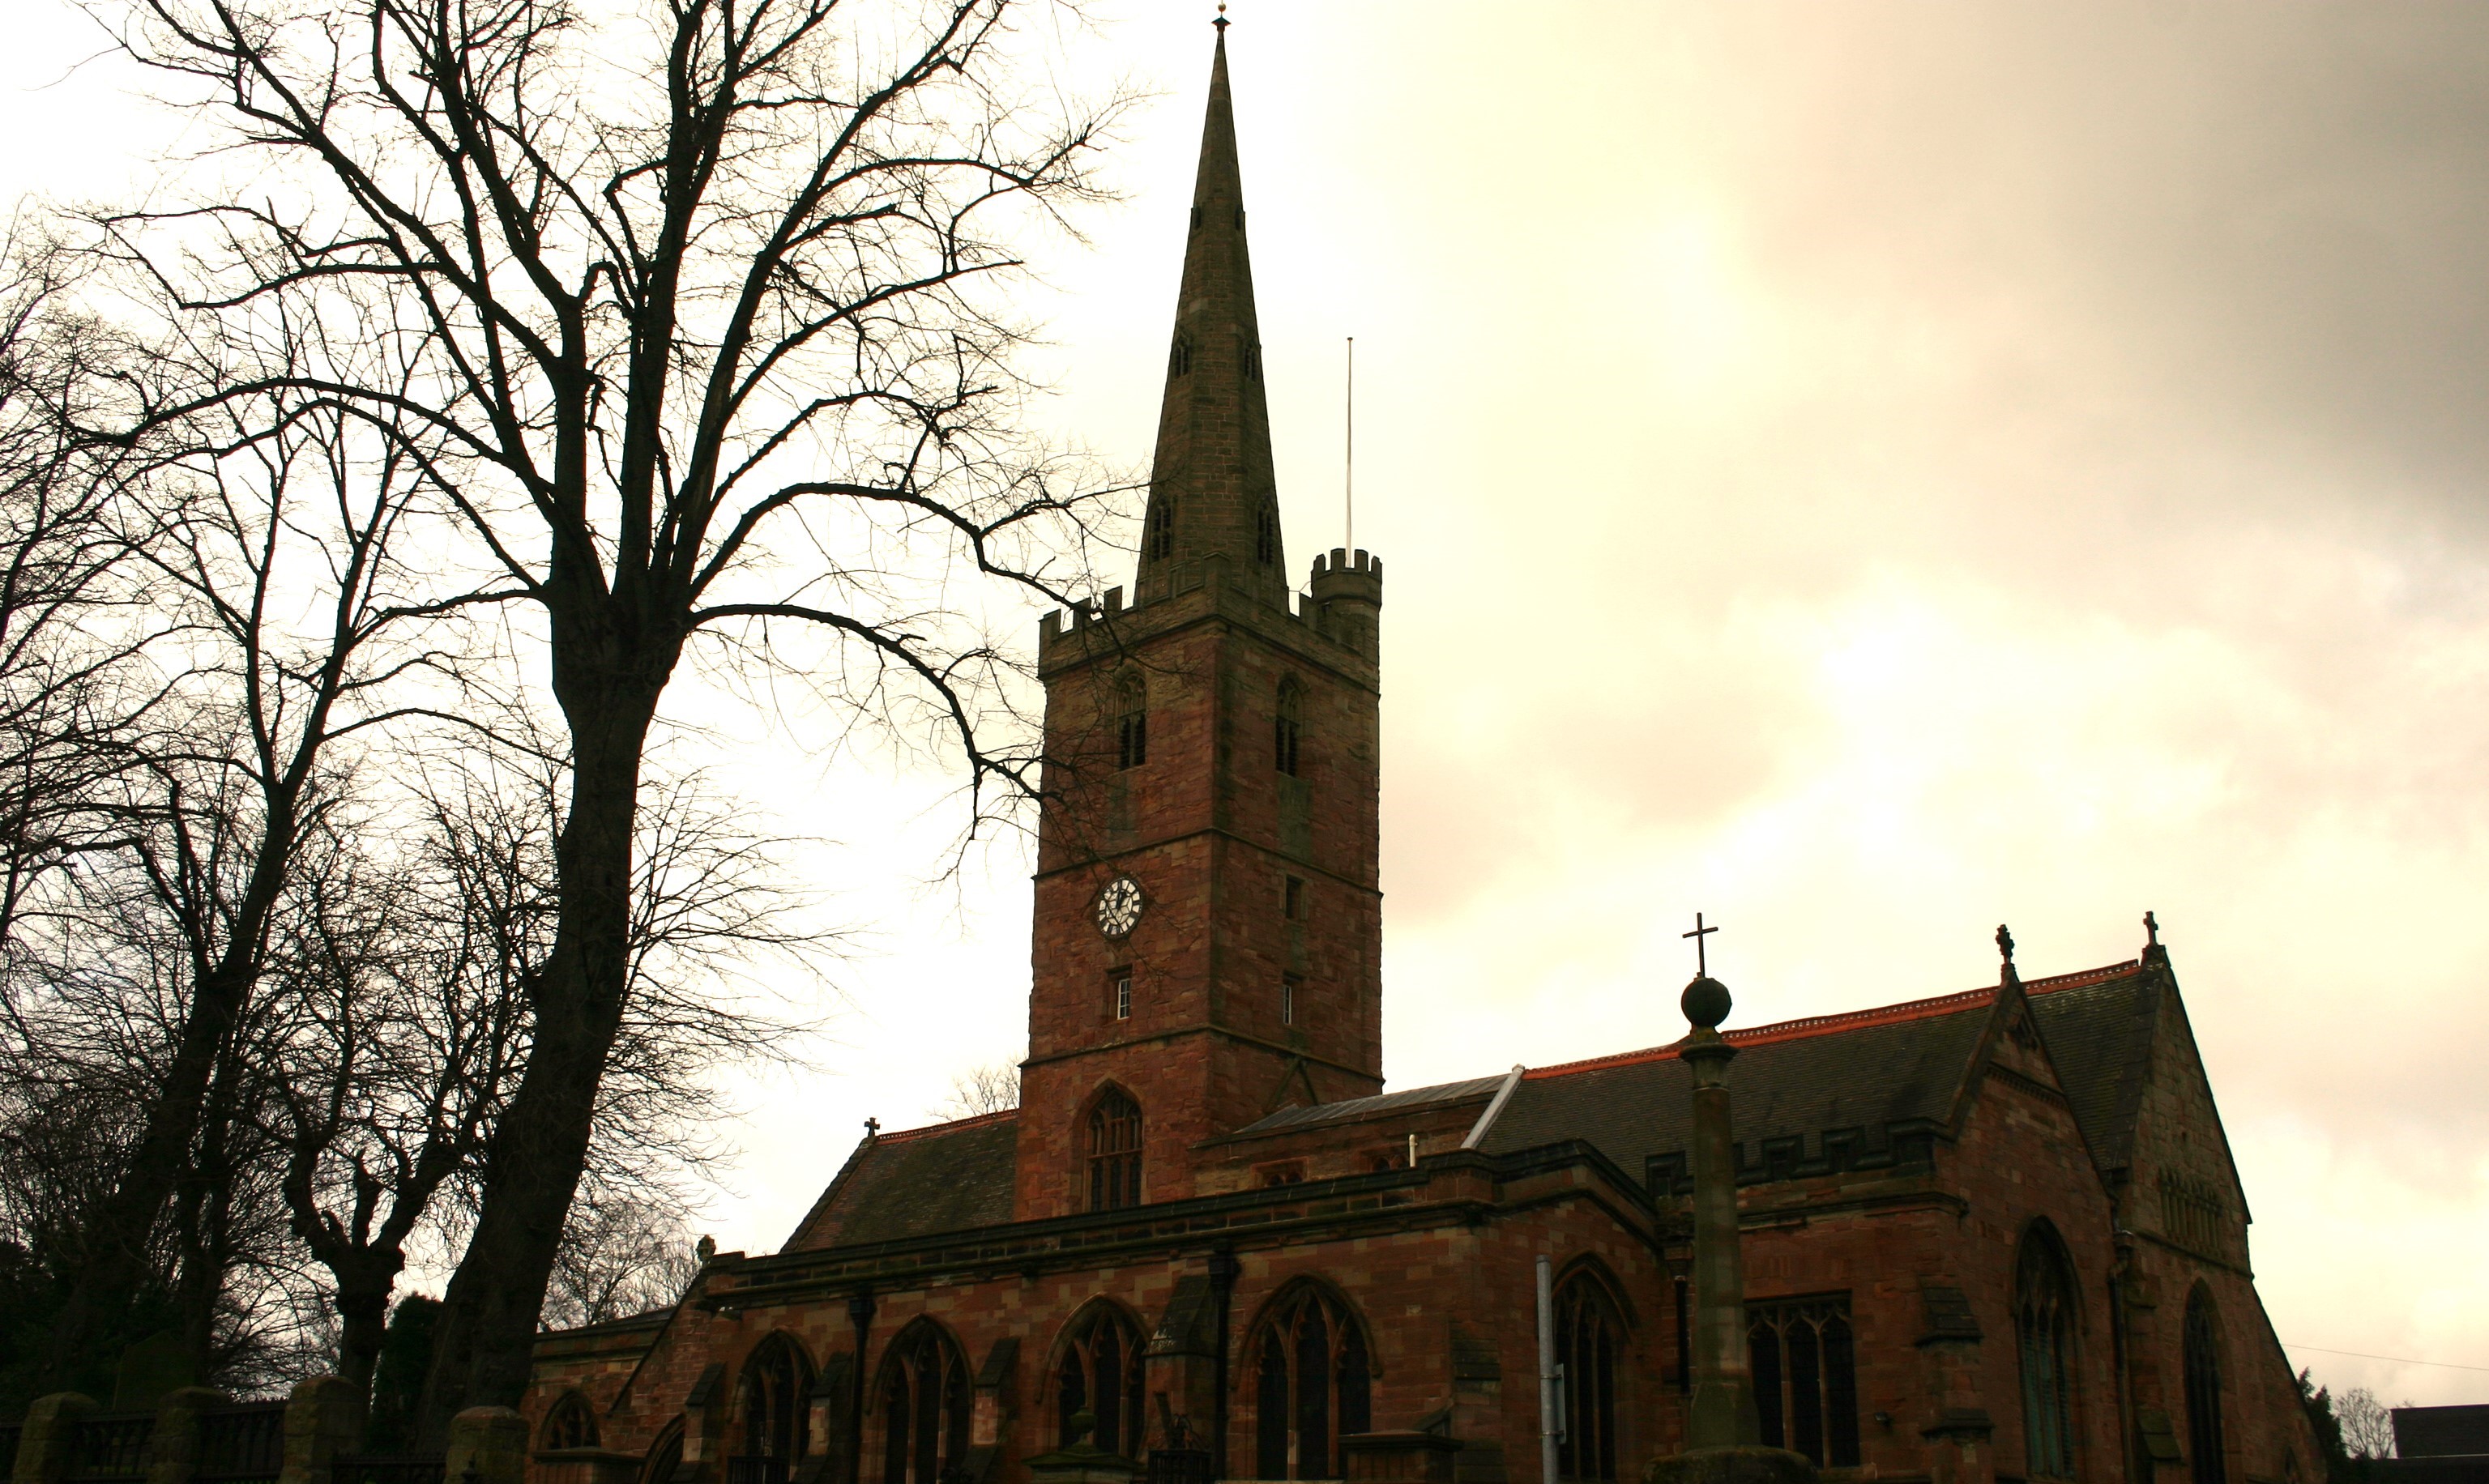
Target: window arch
<point>1180,357</point>
<point>1313,1384</point>
<point>2203,1368</point>
<point>924,1406</point>
<point>666,1457</point>
<point>1589,1344</point>
<point>1100,1374</point>
<point>1287,727</point>
<point>1132,722</point>
<point>1114,1151</point>
<point>571,1424</point>
<point>2043,1328</point>
<point>772,1435</point>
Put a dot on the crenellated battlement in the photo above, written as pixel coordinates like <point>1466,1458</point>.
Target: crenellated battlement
<point>1342,604</point>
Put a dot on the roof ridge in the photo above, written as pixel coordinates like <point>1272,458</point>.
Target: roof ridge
<point>1847,1019</point>
<point>955,1125</point>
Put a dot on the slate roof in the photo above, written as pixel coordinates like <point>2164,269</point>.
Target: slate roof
<point>918,1181</point>
<point>1864,1071</point>
<point>1474,1089</point>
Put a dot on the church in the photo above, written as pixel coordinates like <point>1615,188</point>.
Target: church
<point>1991,1235</point>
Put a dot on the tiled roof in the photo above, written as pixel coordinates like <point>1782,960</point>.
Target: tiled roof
<point>916,1181</point>
<point>2099,1033</point>
<point>1474,1089</point>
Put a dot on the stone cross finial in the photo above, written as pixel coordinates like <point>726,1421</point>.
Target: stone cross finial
<point>1702,965</point>
<point>2151,930</point>
<point>872,1127</point>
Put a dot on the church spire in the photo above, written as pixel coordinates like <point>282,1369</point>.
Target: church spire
<point>1211,488</point>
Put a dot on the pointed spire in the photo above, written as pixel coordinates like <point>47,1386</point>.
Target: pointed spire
<point>1212,488</point>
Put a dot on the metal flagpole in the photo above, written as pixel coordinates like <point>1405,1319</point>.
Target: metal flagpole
<point>1349,487</point>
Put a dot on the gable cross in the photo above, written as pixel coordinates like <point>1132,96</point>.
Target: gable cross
<point>1700,965</point>
<point>872,1127</point>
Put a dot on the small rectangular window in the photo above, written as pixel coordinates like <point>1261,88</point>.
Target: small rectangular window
<point>1287,1002</point>
<point>1122,983</point>
<point>1295,899</point>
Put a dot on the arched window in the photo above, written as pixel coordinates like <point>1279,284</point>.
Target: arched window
<point>1132,722</point>
<point>1160,540</point>
<point>571,1424</point>
<point>1180,358</point>
<point>1100,1374</point>
<point>1287,725</point>
<point>1313,1386</point>
<point>1114,1153</point>
<point>2203,1367</point>
<point>666,1457</point>
<point>1806,1378</point>
<point>1588,1339</point>
<point>773,1434</point>
<point>924,1407</point>
<point>1266,535</point>
<point>2043,1327</point>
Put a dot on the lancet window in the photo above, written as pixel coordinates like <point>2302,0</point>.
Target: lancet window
<point>1180,358</point>
<point>1287,727</point>
<point>772,1437</point>
<point>924,1407</point>
<point>570,1424</point>
<point>1266,535</point>
<point>2043,1322</point>
<point>1313,1384</point>
<point>1806,1378</point>
<point>2203,1368</point>
<point>1100,1374</point>
<point>1132,722</point>
<point>1160,535</point>
<point>1114,1153</point>
<point>1589,1338</point>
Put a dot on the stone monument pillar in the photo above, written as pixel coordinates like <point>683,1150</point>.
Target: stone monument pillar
<point>1723,1440</point>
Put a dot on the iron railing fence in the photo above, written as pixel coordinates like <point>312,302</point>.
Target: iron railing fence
<point>1179,1465</point>
<point>388,1468</point>
<point>111,1447</point>
<point>758,1471</point>
<point>240,1444</point>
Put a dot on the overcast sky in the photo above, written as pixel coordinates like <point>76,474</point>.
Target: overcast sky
<point>1868,472</point>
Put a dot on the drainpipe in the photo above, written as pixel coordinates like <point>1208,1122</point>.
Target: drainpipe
<point>1550,1410</point>
<point>859,1311</point>
<point>1223,1268</point>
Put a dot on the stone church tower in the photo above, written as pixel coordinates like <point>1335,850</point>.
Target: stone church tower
<point>1208,943</point>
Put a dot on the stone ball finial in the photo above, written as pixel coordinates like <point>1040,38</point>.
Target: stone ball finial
<point>1706,1001</point>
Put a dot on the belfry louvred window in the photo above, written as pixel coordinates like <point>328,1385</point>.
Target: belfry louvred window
<point>1313,1384</point>
<point>924,1407</point>
<point>2206,1447</point>
<point>1131,723</point>
<point>1588,1339</point>
<point>1100,1374</point>
<point>1806,1378</point>
<point>1114,1153</point>
<point>2044,1308</point>
<point>1287,726</point>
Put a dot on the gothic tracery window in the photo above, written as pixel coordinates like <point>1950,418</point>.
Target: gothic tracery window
<point>570,1424</point>
<point>1114,1153</point>
<point>1806,1378</point>
<point>2202,1364</point>
<point>1132,722</point>
<point>1313,1384</point>
<point>1287,726</point>
<point>1589,1338</point>
<point>774,1433</point>
<point>1100,1374</point>
<point>924,1407</point>
<point>2044,1320</point>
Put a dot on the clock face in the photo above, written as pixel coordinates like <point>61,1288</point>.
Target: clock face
<point>1119,906</point>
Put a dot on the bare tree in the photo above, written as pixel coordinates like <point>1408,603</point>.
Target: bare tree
<point>624,1254</point>
<point>2367,1424</point>
<point>694,315</point>
<point>990,1087</point>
